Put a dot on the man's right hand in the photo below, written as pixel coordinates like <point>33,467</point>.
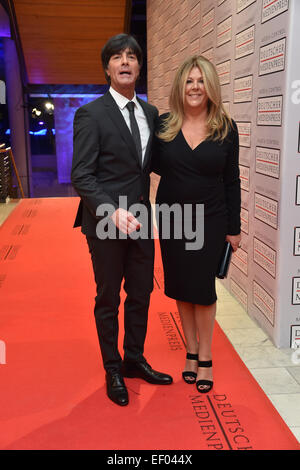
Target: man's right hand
<point>125,221</point>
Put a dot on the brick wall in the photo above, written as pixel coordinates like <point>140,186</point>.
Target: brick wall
<point>173,33</point>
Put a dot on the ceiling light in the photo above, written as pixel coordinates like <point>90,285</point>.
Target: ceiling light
<point>49,106</point>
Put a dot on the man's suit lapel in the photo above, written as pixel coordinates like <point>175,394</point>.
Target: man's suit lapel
<point>116,116</point>
<point>151,127</point>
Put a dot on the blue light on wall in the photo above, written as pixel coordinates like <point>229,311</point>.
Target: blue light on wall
<point>40,132</point>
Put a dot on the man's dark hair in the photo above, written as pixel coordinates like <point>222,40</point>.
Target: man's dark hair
<point>117,44</point>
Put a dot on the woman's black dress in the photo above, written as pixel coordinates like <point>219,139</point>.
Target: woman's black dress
<point>207,175</point>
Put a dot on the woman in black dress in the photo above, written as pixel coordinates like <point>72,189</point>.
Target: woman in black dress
<point>197,157</point>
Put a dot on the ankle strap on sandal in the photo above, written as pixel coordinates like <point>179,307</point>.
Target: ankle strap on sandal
<point>193,357</point>
<point>205,363</point>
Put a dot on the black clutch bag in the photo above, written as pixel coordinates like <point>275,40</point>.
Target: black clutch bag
<point>224,261</point>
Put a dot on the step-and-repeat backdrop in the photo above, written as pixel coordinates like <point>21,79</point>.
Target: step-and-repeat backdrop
<point>255,47</point>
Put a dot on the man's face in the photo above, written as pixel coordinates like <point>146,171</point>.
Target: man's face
<point>123,69</point>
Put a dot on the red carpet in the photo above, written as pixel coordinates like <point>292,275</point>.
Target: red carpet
<point>52,390</point>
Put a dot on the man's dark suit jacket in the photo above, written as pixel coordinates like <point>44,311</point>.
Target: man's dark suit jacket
<point>105,161</point>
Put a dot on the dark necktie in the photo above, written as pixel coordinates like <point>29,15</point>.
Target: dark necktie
<point>135,130</point>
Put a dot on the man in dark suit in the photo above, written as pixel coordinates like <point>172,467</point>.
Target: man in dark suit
<point>112,156</point>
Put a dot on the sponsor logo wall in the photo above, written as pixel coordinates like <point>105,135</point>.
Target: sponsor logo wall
<point>253,44</point>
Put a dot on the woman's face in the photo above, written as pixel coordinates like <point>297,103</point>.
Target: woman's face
<point>195,93</point>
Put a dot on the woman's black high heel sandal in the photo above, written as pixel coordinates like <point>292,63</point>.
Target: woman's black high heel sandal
<point>207,383</point>
<point>189,376</point>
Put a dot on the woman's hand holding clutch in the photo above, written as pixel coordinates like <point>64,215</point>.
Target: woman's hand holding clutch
<point>234,240</point>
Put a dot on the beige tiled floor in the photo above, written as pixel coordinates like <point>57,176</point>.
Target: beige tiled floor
<point>273,368</point>
<point>6,209</point>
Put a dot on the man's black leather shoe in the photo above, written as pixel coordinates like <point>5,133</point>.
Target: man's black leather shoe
<point>116,388</point>
<point>143,370</point>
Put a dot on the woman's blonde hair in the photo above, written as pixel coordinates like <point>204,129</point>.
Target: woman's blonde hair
<point>218,120</point>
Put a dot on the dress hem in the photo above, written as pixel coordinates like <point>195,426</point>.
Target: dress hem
<point>190,301</point>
